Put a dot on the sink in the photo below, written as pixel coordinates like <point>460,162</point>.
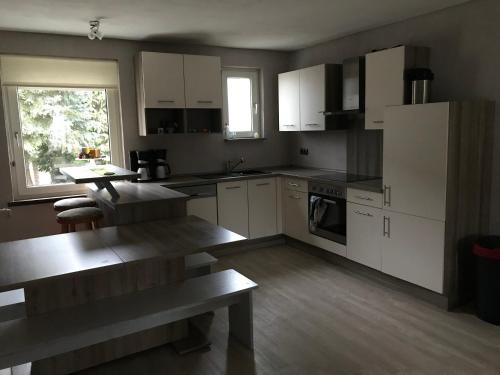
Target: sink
<point>248,172</point>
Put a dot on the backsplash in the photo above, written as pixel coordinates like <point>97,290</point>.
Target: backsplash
<point>326,149</point>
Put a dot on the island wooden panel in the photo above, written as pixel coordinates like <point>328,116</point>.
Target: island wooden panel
<point>60,293</point>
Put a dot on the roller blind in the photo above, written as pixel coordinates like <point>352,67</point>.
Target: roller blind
<point>63,72</point>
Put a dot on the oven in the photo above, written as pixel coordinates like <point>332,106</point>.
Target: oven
<point>327,210</point>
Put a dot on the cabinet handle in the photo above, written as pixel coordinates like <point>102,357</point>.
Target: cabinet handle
<point>312,124</point>
<point>387,227</point>
<point>205,101</point>
<point>363,213</point>
<point>363,198</point>
<point>326,113</point>
<point>378,121</point>
<point>166,101</point>
<point>387,195</point>
<point>294,196</point>
<point>232,187</point>
<point>263,184</point>
<point>293,184</point>
<point>288,125</point>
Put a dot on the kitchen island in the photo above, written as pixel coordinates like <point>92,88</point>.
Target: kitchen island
<point>138,202</point>
<point>75,269</point>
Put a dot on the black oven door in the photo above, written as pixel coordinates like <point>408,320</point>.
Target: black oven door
<point>327,217</point>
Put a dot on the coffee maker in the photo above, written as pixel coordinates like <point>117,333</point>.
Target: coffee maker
<point>150,164</point>
<point>162,169</point>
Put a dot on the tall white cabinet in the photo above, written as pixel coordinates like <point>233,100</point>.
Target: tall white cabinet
<point>433,193</point>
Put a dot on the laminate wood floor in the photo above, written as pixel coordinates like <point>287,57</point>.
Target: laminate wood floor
<point>312,317</point>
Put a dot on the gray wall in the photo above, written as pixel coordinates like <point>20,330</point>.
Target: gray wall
<point>187,153</point>
<point>465,57</point>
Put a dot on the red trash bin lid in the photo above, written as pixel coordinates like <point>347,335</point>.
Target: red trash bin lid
<point>485,252</point>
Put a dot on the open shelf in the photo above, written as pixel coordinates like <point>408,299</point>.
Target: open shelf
<point>165,120</point>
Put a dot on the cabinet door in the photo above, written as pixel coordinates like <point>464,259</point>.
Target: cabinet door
<point>203,79</point>
<point>296,215</point>
<point>415,159</point>
<point>384,84</point>
<point>205,208</point>
<point>312,98</point>
<point>262,208</point>
<point>364,235</point>
<point>289,101</point>
<point>232,206</point>
<point>413,249</point>
<point>163,80</point>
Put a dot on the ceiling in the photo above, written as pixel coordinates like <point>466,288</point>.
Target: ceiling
<point>266,24</point>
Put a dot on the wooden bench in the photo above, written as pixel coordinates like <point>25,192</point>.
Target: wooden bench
<point>43,336</point>
<point>12,305</point>
<point>199,264</point>
<point>12,302</point>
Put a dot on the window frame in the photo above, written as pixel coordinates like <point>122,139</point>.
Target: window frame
<point>257,119</point>
<point>20,190</point>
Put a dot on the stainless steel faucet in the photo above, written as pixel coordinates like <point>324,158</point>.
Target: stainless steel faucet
<point>230,167</point>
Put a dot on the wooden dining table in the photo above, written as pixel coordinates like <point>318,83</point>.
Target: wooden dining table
<point>66,270</point>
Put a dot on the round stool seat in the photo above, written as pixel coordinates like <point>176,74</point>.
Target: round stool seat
<point>69,203</point>
<point>80,215</point>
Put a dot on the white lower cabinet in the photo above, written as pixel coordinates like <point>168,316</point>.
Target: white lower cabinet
<point>232,206</point>
<point>262,207</point>
<point>364,235</point>
<point>413,249</point>
<point>296,214</point>
<point>205,208</point>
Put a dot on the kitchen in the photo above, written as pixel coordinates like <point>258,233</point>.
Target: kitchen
<point>271,205</point>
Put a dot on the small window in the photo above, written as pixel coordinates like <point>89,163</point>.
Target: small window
<point>242,115</point>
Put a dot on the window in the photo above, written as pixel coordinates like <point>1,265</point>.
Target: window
<point>242,115</point>
<point>49,126</point>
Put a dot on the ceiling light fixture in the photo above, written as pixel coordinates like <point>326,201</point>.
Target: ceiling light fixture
<point>94,30</point>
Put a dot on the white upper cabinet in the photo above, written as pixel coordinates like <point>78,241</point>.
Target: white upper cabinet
<point>415,159</point>
<point>289,101</point>
<point>262,207</point>
<point>203,81</point>
<point>162,76</point>
<point>385,85</point>
<point>308,97</point>
<point>312,98</point>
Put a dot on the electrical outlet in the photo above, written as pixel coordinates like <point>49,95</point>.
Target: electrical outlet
<point>304,151</point>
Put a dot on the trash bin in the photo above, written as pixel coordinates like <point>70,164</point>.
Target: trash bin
<point>487,252</point>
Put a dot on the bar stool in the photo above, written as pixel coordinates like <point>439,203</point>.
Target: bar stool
<point>82,215</point>
<point>69,203</point>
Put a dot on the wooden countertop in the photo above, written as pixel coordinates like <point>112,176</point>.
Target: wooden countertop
<point>29,261</point>
<point>86,174</point>
<point>133,193</point>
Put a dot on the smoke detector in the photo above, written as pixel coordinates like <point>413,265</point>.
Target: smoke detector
<point>94,30</point>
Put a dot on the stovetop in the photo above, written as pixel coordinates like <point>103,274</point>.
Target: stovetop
<point>343,177</point>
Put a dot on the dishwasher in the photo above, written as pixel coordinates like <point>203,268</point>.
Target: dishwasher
<point>202,201</point>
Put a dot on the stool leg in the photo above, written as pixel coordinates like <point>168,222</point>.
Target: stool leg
<point>72,228</point>
<point>64,228</point>
<point>90,226</point>
<point>96,224</point>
